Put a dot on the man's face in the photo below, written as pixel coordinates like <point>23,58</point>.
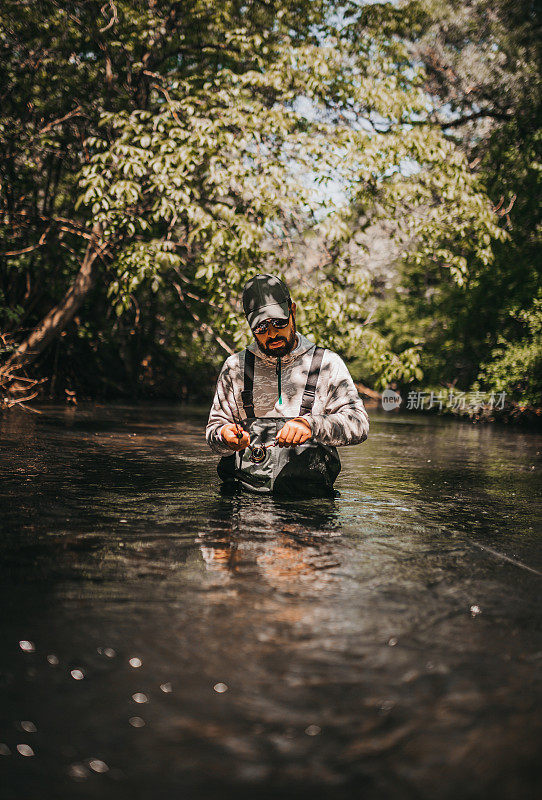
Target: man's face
<point>278,341</point>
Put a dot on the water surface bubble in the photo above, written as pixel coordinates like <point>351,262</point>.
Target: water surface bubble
<point>220,688</point>
<point>28,726</point>
<point>77,674</point>
<point>78,772</point>
<point>26,646</point>
<point>4,750</point>
<point>52,659</point>
<point>139,697</point>
<point>109,652</point>
<point>25,750</point>
<point>392,641</point>
<point>166,687</point>
<point>98,766</point>
<point>475,610</point>
<point>313,730</point>
<point>135,662</point>
<point>136,722</point>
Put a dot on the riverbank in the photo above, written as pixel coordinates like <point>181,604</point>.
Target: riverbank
<point>511,414</point>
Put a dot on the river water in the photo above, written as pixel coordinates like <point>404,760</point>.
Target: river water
<point>160,639</point>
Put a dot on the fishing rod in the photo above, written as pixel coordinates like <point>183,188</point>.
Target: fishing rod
<point>238,425</point>
<point>258,452</point>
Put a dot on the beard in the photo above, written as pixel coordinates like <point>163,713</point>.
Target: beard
<point>287,344</point>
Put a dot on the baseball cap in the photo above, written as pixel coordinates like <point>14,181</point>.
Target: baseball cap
<point>265,297</point>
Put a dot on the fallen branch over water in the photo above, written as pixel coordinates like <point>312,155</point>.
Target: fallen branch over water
<point>364,390</point>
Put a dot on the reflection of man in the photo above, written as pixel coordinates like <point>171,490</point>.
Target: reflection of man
<point>299,557</point>
<point>282,560</point>
<point>283,375</point>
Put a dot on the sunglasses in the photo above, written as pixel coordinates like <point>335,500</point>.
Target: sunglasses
<point>278,324</point>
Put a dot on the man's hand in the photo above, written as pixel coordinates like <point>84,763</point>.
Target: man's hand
<point>231,434</point>
<point>295,432</point>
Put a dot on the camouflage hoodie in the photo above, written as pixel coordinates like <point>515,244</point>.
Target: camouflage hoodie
<point>338,416</point>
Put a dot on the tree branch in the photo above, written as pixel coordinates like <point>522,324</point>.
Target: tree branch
<point>203,325</point>
<point>75,113</point>
<point>456,123</point>
<point>114,16</point>
<point>29,248</point>
<point>57,319</point>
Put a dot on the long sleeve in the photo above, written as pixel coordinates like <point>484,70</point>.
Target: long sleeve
<point>345,419</point>
<point>221,411</point>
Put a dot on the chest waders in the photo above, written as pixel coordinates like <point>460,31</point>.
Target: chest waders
<point>306,469</point>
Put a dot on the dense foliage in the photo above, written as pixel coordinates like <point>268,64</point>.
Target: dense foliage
<point>155,155</point>
<point>482,66</point>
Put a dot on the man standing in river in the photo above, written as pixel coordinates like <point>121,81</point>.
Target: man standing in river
<point>282,375</point>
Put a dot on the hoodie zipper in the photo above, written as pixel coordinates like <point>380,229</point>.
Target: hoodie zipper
<point>278,371</point>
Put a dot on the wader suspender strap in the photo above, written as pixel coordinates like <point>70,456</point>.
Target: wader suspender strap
<point>312,379</point>
<point>247,395</point>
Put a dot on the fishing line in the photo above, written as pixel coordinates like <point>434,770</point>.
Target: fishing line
<point>505,558</point>
<point>258,452</point>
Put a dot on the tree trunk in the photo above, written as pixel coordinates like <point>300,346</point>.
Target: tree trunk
<point>59,316</point>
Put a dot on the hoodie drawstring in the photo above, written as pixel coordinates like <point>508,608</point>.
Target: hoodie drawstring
<point>279,380</point>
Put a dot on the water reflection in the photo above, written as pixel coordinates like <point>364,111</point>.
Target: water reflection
<point>283,543</point>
